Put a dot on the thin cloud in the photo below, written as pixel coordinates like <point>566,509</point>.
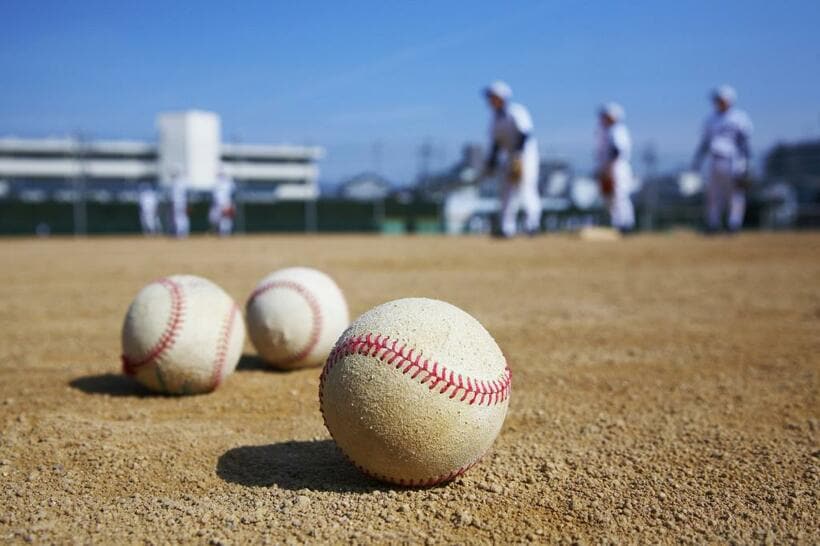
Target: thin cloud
<point>398,113</point>
<point>397,59</point>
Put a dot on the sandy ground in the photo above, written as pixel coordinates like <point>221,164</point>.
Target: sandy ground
<point>665,389</point>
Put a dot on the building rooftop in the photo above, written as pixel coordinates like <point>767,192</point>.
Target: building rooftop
<point>71,145</point>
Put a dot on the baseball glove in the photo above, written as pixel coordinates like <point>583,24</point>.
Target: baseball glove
<point>606,182</point>
<point>516,170</point>
<point>743,182</point>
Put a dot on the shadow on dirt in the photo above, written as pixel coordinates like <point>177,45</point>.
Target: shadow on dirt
<point>249,362</point>
<point>294,465</point>
<point>111,384</point>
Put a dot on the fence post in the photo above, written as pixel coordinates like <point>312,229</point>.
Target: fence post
<point>378,213</point>
<point>311,216</point>
<point>240,206</point>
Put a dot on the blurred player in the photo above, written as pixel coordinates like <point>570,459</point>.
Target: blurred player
<point>179,204</point>
<point>222,208</point>
<point>149,206</point>
<point>614,170</point>
<point>511,136</point>
<point>726,143</point>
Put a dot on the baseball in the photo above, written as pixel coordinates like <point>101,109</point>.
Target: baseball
<point>596,233</point>
<point>415,392</point>
<point>294,317</point>
<point>182,335</point>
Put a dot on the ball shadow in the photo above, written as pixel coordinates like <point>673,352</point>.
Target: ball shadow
<point>250,362</point>
<point>316,465</point>
<point>110,384</point>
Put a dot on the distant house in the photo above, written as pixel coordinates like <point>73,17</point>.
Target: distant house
<point>436,186</point>
<point>367,186</point>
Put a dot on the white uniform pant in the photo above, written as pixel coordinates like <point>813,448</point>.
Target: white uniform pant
<point>524,194</point>
<point>220,221</point>
<point>722,193</point>
<point>181,223</point>
<point>149,221</point>
<point>621,211</point>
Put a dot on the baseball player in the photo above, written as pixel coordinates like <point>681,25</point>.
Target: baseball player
<point>614,170</point>
<point>222,208</point>
<point>725,143</point>
<point>179,205</point>
<point>511,136</point>
<point>149,204</point>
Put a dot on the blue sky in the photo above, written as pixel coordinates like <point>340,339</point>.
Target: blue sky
<point>349,75</point>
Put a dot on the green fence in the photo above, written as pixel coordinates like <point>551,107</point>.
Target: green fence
<point>325,215</point>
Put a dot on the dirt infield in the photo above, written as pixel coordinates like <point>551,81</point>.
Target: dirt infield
<point>665,388</point>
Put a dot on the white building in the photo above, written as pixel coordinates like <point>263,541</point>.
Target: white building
<point>188,142</point>
<point>367,186</point>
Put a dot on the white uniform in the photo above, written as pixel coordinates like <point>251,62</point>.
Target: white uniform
<point>506,129</point>
<point>179,207</point>
<point>149,203</point>
<point>221,213</point>
<point>725,143</point>
<point>615,138</point>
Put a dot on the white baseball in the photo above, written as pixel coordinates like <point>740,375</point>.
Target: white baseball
<point>182,335</point>
<point>415,392</point>
<point>294,317</point>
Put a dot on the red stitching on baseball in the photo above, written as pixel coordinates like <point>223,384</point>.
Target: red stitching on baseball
<point>168,337</point>
<point>315,309</point>
<point>366,344</point>
<point>222,345</point>
<point>388,351</point>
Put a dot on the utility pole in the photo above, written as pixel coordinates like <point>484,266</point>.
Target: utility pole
<point>311,204</point>
<point>240,186</point>
<point>378,203</point>
<point>650,189</point>
<point>378,152</point>
<point>425,156</point>
<point>80,213</point>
